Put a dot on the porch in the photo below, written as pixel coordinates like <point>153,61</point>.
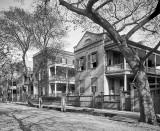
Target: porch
<point>122,67</point>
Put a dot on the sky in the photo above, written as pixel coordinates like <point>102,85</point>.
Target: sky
<point>73,38</point>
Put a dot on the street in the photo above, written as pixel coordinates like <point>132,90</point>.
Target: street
<point>23,118</point>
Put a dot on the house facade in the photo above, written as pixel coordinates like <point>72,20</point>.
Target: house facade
<point>25,86</point>
<point>101,68</point>
<point>57,77</point>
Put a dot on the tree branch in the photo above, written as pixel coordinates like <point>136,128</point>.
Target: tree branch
<point>103,4</point>
<point>90,4</point>
<point>143,22</point>
<point>149,53</point>
<point>72,8</point>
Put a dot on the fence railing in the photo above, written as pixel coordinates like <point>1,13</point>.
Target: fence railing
<point>93,101</point>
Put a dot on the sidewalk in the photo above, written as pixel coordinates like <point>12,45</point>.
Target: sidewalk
<point>125,116</point>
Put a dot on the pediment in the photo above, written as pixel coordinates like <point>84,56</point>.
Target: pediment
<point>87,39</point>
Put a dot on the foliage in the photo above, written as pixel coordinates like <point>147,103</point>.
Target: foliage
<point>15,26</point>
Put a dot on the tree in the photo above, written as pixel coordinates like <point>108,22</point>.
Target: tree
<point>48,31</point>
<point>15,26</point>
<point>113,23</point>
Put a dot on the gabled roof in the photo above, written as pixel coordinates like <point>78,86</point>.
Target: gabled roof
<point>87,39</point>
<point>90,38</point>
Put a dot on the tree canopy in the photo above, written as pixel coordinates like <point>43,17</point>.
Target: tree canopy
<point>15,26</point>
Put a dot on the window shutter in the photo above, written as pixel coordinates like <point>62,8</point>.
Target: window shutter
<point>77,64</point>
<point>89,61</point>
<point>96,58</point>
<point>84,62</point>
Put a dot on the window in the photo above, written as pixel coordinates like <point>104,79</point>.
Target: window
<point>52,85</point>
<point>64,60</point>
<point>114,58</point>
<point>94,89</point>
<point>44,74</point>
<point>92,60</point>
<point>117,58</point>
<point>39,76</point>
<point>82,63</point>
<point>81,90</point>
<point>56,59</point>
<point>81,86</point>
<point>94,85</point>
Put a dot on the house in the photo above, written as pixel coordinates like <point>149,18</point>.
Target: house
<point>56,76</point>
<point>101,68</point>
<point>25,85</point>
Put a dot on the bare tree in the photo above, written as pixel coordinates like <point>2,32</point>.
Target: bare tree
<point>48,32</point>
<point>15,26</point>
<point>115,16</point>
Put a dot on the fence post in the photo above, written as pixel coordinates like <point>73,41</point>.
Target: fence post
<point>63,103</point>
<point>102,99</point>
<point>79,102</point>
<point>40,102</point>
<point>132,96</point>
<point>93,100</point>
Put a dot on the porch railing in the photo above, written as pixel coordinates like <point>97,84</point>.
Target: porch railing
<point>62,78</point>
<point>117,67</point>
<point>120,67</point>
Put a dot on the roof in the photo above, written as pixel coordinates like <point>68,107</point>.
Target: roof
<point>61,52</point>
<point>90,38</point>
<point>87,39</point>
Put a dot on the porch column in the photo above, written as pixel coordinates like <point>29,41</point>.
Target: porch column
<point>125,82</point>
<point>155,62</point>
<point>124,64</point>
<point>55,70</point>
<point>49,91</point>
<point>55,84</point>
<point>49,72</point>
<point>67,79</point>
<point>55,89</point>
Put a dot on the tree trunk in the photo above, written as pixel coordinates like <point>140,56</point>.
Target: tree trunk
<point>24,61</point>
<point>147,113</point>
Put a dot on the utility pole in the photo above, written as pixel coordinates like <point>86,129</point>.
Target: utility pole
<point>12,87</point>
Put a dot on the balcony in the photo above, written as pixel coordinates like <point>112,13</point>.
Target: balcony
<point>61,78</point>
<point>120,68</point>
<point>117,68</point>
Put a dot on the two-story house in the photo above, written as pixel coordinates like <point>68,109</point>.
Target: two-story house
<point>102,68</point>
<point>60,75</point>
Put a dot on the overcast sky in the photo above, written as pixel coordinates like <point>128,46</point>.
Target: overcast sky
<point>5,4</point>
<point>73,36</point>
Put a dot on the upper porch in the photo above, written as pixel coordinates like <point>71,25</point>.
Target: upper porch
<point>116,63</point>
<point>121,68</point>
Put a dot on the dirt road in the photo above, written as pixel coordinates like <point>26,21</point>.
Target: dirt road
<point>22,118</point>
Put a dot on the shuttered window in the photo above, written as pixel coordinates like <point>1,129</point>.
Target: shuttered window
<point>94,60</point>
<point>82,63</point>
